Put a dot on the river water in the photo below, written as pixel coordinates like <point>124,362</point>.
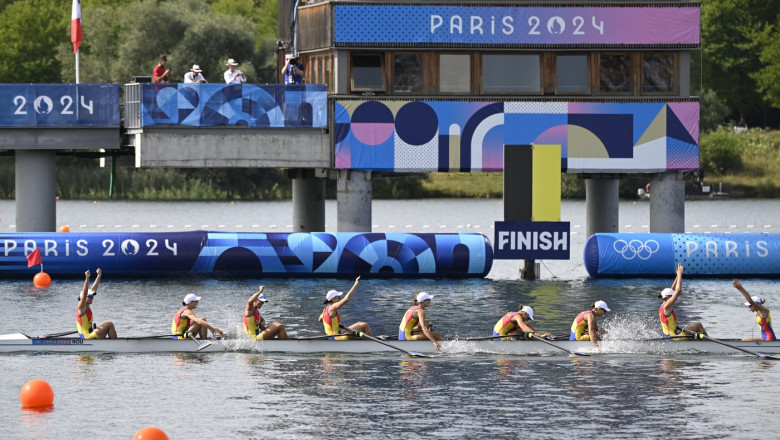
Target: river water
<point>256,395</point>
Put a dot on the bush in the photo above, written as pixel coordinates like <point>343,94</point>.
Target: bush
<point>720,153</point>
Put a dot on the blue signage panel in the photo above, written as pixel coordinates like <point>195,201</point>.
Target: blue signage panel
<point>59,105</point>
<point>531,241</point>
<point>248,105</point>
<point>517,25</point>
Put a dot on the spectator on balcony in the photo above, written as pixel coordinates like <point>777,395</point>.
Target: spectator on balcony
<point>162,72</point>
<point>293,71</point>
<point>233,75</point>
<point>194,76</point>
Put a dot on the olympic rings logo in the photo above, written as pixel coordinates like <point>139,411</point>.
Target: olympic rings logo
<point>636,248</point>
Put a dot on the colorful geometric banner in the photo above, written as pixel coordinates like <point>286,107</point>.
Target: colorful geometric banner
<point>477,26</point>
<point>59,105</point>
<point>202,253</point>
<point>447,136</point>
<point>249,105</point>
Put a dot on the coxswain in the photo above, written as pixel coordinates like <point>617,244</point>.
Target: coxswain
<point>332,321</point>
<point>756,304</point>
<point>414,327</point>
<point>516,323</point>
<point>586,321</point>
<point>84,323</point>
<point>667,316</point>
<point>254,324</point>
<point>186,324</point>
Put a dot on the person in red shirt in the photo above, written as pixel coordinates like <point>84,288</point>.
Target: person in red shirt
<point>161,73</point>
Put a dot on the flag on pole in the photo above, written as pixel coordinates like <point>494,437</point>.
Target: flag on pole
<point>75,25</point>
<point>34,258</point>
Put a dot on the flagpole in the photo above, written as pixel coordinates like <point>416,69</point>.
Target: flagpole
<point>77,81</point>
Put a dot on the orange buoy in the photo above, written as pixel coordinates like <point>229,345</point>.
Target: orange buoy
<point>64,228</point>
<point>150,433</point>
<point>36,393</point>
<point>42,279</point>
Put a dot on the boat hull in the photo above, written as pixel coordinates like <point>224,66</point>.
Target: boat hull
<point>20,343</point>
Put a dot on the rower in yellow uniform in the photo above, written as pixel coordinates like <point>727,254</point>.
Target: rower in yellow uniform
<point>254,324</point>
<point>186,323</point>
<point>666,314</point>
<point>332,321</point>
<point>756,304</point>
<point>515,323</point>
<point>587,321</point>
<point>414,327</point>
<point>84,313</point>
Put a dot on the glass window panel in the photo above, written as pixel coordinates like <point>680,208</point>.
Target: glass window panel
<point>511,74</point>
<point>572,73</point>
<point>367,72</point>
<point>454,73</point>
<point>657,72</point>
<point>615,73</point>
<point>407,73</point>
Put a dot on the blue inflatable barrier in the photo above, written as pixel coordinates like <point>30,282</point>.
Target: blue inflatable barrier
<point>703,255</point>
<point>247,254</point>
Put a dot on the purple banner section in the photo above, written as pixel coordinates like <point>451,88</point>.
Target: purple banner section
<point>462,136</point>
<point>517,25</point>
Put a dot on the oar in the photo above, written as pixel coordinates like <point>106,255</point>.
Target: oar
<point>154,337</point>
<point>57,335</point>
<point>488,338</point>
<point>201,346</point>
<point>703,336</point>
<point>576,353</point>
<point>361,334</point>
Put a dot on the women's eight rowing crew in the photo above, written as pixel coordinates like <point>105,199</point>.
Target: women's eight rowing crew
<point>414,325</point>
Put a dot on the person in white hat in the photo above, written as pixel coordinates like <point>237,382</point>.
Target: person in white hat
<point>84,323</point>
<point>186,323</point>
<point>516,323</point>
<point>194,76</point>
<point>414,327</point>
<point>756,304</point>
<point>330,315</point>
<point>666,314</point>
<point>233,75</point>
<point>254,324</point>
<point>586,321</point>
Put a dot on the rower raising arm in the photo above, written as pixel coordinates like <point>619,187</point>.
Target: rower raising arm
<point>84,321</point>
<point>764,321</point>
<point>330,316</point>
<point>666,313</point>
<point>254,324</point>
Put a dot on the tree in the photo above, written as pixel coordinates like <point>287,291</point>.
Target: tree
<point>731,42</point>
<point>31,31</point>
<point>713,113</point>
<point>768,78</point>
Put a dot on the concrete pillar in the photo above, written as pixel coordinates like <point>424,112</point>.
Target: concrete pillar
<point>353,195</point>
<point>308,196</point>
<point>36,191</point>
<point>601,205</point>
<point>667,203</point>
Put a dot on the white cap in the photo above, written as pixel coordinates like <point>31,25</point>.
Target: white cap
<point>529,310</point>
<point>262,298</point>
<point>601,305</point>
<point>231,62</point>
<point>756,299</point>
<point>332,294</point>
<point>667,292</point>
<point>423,296</point>
<point>196,68</point>
<point>190,298</point>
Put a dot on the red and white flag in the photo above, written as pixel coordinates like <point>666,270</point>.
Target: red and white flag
<point>34,258</point>
<point>75,25</point>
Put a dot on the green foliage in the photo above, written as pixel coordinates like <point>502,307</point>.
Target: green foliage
<point>720,153</point>
<point>399,187</point>
<point>731,40</point>
<point>768,78</point>
<point>572,186</point>
<point>262,12</point>
<point>713,113</point>
<point>30,32</point>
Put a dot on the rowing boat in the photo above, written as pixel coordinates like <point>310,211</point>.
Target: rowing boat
<point>19,342</point>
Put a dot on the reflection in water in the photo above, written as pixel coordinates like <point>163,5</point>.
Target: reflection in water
<point>413,374</point>
<point>507,369</point>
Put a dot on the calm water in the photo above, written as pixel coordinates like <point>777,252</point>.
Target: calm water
<point>252,395</point>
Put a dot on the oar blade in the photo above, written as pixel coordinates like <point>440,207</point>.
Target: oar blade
<point>768,356</point>
<point>578,353</point>
<point>416,354</point>
<point>203,345</point>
